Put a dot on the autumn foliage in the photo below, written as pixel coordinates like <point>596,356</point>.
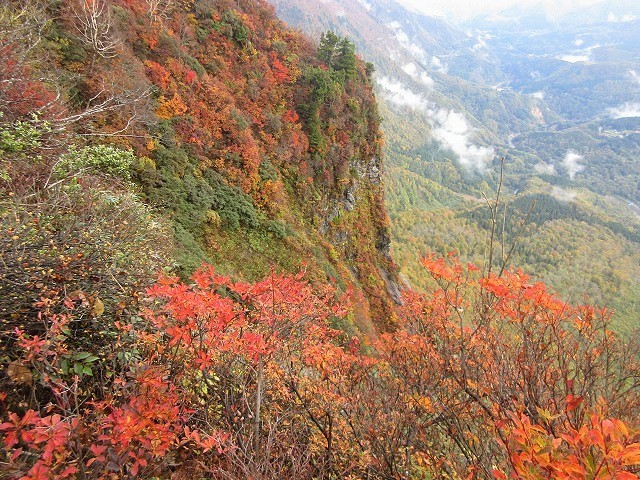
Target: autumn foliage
<point>490,377</point>
<point>218,100</point>
<point>601,448</point>
<point>181,380</point>
<point>234,128</point>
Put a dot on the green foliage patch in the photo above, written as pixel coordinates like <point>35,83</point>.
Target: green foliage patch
<point>101,159</point>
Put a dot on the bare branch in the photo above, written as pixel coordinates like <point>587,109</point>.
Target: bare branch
<point>93,22</point>
<point>159,10</point>
<point>105,100</point>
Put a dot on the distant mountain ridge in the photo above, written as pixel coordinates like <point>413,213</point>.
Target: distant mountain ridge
<point>544,15</point>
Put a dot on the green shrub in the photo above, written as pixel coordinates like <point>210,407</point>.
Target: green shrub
<point>20,136</point>
<point>104,159</point>
<point>233,205</point>
<point>194,65</point>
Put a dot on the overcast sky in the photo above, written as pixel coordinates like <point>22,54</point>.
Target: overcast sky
<point>466,8</point>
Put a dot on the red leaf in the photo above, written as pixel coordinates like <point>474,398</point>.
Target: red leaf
<point>573,402</point>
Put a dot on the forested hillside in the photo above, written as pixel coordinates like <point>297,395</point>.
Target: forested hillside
<point>225,124</point>
<point>555,100</point>
<point>196,279</point>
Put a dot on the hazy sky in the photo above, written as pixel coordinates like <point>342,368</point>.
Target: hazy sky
<point>466,8</point>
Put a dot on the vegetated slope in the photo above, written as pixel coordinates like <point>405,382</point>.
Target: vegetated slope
<point>455,102</point>
<point>253,152</point>
<point>262,155</point>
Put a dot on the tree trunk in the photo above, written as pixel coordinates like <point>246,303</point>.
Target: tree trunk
<point>258,406</point>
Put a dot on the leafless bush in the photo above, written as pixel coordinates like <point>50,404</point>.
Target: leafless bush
<point>159,10</point>
<point>93,22</point>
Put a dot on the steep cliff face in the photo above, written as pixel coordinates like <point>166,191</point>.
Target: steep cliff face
<point>263,153</point>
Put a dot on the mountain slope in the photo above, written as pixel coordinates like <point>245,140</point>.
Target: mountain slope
<point>139,136</point>
<point>235,131</point>
<point>455,101</point>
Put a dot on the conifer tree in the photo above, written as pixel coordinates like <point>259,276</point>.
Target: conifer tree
<point>328,49</point>
<point>346,60</point>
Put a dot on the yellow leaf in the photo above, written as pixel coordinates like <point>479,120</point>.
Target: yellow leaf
<point>98,307</point>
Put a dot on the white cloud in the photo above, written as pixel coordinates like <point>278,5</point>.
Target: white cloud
<point>452,130</point>
<point>545,168</point>
<point>400,95</point>
<point>571,165</point>
<point>365,4</point>
<point>563,194</point>
<point>427,80</point>
<point>613,18</point>
<point>498,18</point>
<point>405,42</point>
<point>624,111</point>
<point>578,42</point>
<point>410,69</point>
<point>402,37</point>
<point>579,55</point>
<point>479,46</point>
<point>341,13</point>
<point>438,65</point>
<point>634,75</point>
<point>574,58</point>
<point>539,95</point>
<point>451,121</point>
<point>417,51</point>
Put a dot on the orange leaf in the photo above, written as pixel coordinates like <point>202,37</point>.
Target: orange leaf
<point>497,474</point>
